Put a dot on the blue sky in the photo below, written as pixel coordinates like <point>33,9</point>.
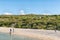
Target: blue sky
<point>30,6</point>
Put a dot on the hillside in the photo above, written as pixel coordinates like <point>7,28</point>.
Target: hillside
<point>31,21</point>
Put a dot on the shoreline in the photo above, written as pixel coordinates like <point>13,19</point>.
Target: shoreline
<point>29,33</point>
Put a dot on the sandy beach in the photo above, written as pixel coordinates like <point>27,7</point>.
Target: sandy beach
<point>34,33</point>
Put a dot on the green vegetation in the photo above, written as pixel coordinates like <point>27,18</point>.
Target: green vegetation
<point>31,21</point>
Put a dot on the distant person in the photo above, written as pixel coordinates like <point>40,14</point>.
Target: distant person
<point>55,29</point>
<point>10,31</point>
<point>13,30</point>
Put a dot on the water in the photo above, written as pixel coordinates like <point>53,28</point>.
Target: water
<point>5,36</point>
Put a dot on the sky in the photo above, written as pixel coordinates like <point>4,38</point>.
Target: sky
<point>18,7</point>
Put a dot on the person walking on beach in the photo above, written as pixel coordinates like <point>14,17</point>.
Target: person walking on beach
<point>13,30</point>
<point>10,31</point>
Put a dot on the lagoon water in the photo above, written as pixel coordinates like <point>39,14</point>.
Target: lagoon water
<point>5,36</point>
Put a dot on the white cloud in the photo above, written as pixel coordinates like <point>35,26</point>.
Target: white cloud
<point>7,13</point>
<point>50,14</point>
<point>22,12</point>
<point>46,14</point>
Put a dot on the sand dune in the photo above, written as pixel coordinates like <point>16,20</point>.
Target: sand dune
<point>34,33</point>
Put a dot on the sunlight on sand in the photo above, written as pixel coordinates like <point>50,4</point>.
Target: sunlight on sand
<point>34,33</point>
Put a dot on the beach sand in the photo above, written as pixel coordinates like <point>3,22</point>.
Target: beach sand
<point>34,33</point>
